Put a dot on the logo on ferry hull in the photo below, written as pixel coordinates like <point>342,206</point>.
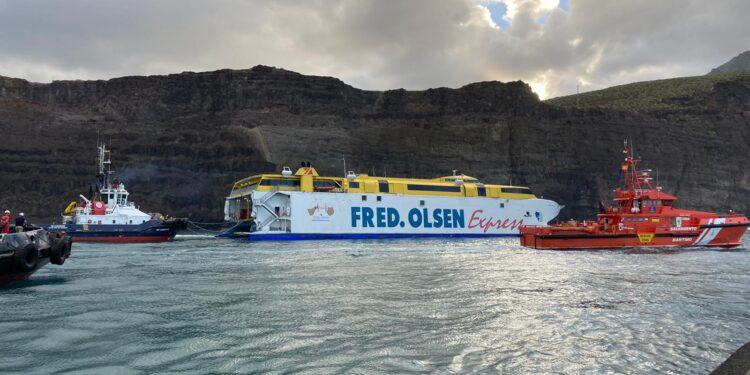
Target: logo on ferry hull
<point>320,212</point>
<point>423,218</point>
<point>390,217</point>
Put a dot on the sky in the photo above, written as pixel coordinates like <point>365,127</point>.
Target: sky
<point>557,46</point>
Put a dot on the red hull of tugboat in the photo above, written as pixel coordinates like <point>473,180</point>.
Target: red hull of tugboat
<point>641,216</point>
<point>589,238</point>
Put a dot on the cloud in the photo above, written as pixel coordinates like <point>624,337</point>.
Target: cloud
<point>375,44</point>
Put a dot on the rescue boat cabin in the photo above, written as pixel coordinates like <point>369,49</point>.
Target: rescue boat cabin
<point>238,204</point>
<point>642,206</point>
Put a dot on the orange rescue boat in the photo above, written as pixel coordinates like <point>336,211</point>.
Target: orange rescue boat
<point>640,216</point>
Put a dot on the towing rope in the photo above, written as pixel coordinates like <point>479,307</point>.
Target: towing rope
<point>194,227</point>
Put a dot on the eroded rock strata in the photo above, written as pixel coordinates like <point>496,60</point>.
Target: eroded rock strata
<point>179,141</point>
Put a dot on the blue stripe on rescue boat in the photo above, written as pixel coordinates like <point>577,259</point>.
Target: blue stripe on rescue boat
<point>365,236</point>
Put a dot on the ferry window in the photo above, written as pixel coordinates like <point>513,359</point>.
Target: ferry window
<point>502,205</point>
<point>380,198</point>
<point>421,203</point>
<point>453,189</point>
<point>383,186</point>
<point>354,185</point>
<point>516,190</point>
<point>364,198</point>
<point>325,184</point>
<point>113,221</point>
<point>482,192</point>
<point>285,182</point>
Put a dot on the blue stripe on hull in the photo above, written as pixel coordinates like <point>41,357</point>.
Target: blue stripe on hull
<point>365,236</point>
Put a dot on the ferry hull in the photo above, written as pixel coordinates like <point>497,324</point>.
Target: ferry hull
<point>364,236</point>
<point>544,238</point>
<point>321,215</point>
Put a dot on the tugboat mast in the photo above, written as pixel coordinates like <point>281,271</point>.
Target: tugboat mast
<point>102,175</point>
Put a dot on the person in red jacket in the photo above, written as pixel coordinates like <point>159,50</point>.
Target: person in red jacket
<point>5,222</point>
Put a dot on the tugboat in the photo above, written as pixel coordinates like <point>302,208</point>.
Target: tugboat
<point>109,216</point>
<point>21,254</point>
<point>641,216</point>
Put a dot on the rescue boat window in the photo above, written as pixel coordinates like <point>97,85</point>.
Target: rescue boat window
<point>421,203</point>
<point>364,198</point>
<point>667,203</point>
<point>354,185</point>
<point>482,192</point>
<point>380,198</point>
<point>502,205</point>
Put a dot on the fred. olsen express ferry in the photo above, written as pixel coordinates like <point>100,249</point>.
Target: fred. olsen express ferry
<point>304,205</point>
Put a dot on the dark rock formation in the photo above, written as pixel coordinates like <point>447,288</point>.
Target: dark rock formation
<point>179,141</point>
<point>737,364</point>
<point>740,63</point>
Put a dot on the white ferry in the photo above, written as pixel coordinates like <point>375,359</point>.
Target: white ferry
<point>304,205</point>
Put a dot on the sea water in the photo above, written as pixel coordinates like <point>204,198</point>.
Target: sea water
<point>205,305</point>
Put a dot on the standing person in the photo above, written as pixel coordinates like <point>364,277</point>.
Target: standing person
<point>5,222</point>
<point>20,221</point>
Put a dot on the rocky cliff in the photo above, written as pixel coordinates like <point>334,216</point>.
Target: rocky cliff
<point>739,63</point>
<point>179,141</point>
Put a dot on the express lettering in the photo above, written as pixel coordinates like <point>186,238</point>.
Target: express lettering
<point>486,223</point>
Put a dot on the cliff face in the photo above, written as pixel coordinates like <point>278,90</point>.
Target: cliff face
<point>179,141</point>
<point>739,63</point>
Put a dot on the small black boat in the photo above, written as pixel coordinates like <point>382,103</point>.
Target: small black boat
<point>21,254</point>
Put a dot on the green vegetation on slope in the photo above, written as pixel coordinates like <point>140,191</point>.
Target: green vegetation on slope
<point>647,96</point>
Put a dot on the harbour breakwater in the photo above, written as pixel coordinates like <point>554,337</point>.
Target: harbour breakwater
<point>181,140</point>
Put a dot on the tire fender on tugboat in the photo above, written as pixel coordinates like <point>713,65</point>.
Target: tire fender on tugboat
<point>27,258</point>
<point>60,251</point>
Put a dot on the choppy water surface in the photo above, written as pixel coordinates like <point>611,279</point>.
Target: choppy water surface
<point>205,305</point>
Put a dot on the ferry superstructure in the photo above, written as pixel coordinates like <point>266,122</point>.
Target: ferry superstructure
<point>305,205</point>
